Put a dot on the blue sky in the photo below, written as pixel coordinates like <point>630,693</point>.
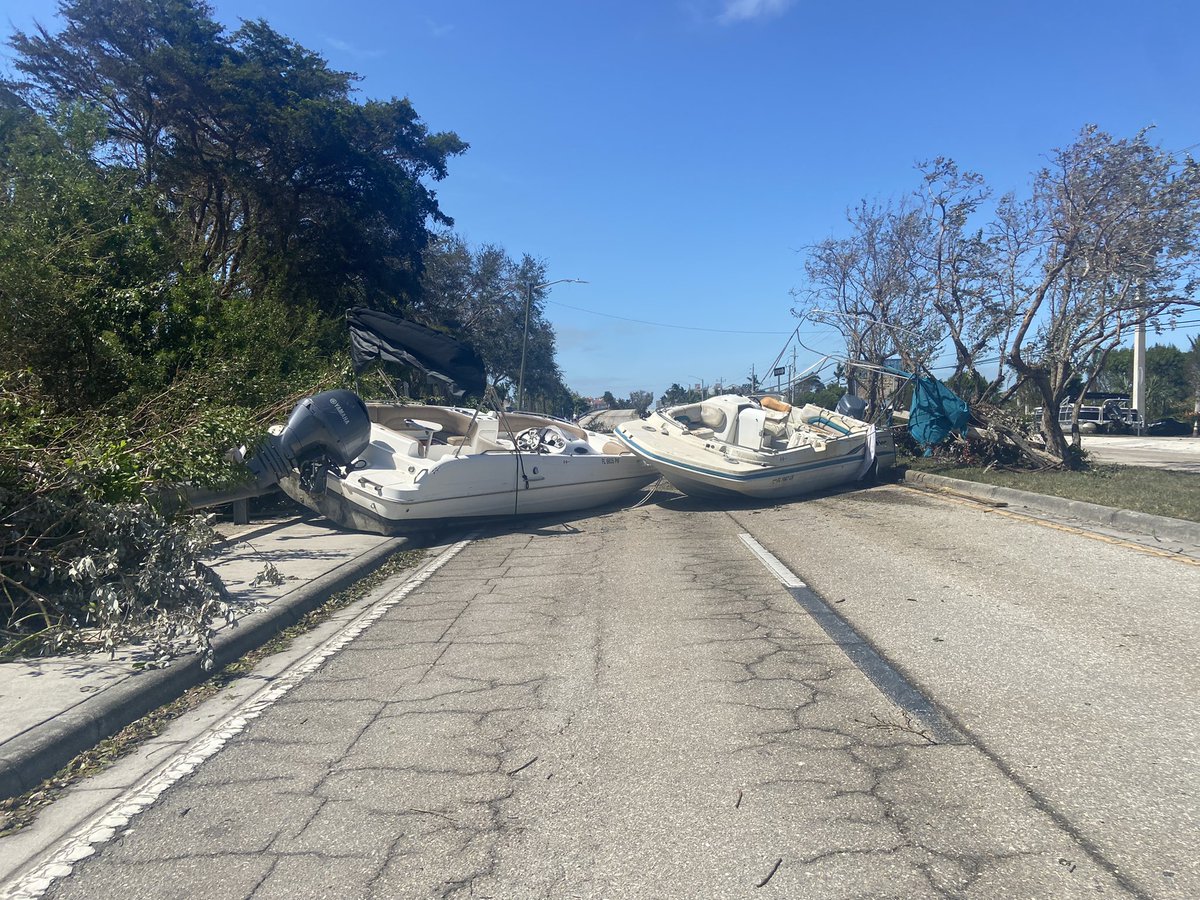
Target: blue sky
<point>679,155</point>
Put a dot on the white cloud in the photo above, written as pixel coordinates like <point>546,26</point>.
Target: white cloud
<point>437,29</point>
<point>351,50</point>
<point>748,10</point>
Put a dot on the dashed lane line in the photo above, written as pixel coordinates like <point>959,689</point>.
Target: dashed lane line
<point>944,726</point>
<point>898,689</point>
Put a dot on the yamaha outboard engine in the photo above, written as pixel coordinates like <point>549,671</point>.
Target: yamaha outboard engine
<point>854,407</point>
<point>329,428</point>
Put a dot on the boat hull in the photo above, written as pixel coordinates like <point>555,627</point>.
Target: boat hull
<point>401,484</point>
<point>360,511</point>
<point>706,468</point>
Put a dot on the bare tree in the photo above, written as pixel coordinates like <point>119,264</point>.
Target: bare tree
<point>865,286</point>
<point>961,268</point>
<point>1107,240</point>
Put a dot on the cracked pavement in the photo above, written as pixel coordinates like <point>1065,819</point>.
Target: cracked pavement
<point>628,705</point>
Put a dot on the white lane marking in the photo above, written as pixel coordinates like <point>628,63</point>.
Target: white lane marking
<point>881,673</point>
<point>768,559</point>
<point>85,840</point>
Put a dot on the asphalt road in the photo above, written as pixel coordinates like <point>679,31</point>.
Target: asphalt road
<point>880,693</point>
<point>1179,453</point>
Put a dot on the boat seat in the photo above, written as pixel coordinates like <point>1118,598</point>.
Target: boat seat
<point>712,416</point>
<point>825,429</point>
<point>774,428</point>
<point>749,433</point>
<point>806,439</point>
<point>480,443</point>
<point>452,422</point>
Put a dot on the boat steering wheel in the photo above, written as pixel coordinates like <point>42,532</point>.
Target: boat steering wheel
<point>529,440</point>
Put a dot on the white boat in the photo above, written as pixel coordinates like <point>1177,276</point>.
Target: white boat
<point>391,468</point>
<point>433,465</point>
<point>734,445</point>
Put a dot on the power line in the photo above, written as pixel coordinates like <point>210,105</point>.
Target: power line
<point>662,324</point>
<point>790,334</point>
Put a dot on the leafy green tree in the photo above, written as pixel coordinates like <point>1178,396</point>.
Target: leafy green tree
<point>1168,381</point>
<point>1193,373</point>
<point>140,64</point>
<point>184,214</point>
<point>579,405</point>
<point>89,299</point>
<point>641,400</point>
<point>823,395</point>
<point>276,181</point>
<point>481,296</point>
<point>677,395</point>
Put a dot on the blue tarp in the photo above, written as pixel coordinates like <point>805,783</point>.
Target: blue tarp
<point>935,412</point>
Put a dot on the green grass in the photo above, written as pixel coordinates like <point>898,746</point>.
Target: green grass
<point>1155,491</point>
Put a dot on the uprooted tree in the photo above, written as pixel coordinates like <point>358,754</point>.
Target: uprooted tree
<point>1107,240</point>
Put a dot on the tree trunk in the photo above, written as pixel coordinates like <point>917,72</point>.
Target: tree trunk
<point>1056,441</point>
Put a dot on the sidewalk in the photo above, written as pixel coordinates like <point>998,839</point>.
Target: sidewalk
<point>54,708</point>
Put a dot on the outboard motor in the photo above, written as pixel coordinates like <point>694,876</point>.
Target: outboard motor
<point>332,426</point>
<point>328,429</point>
<point>854,407</point>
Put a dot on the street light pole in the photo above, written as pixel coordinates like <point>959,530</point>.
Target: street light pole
<point>525,335</point>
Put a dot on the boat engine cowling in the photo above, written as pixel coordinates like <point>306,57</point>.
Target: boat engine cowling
<point>854,407</point>
<point>333,425</point>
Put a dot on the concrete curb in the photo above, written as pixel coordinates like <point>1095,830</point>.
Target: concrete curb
<point>33,756</point>
<point>1160,527</point>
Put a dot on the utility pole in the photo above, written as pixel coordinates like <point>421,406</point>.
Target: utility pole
<point>1139,374</point>
<point>792,379</point>
<point>525,334</point>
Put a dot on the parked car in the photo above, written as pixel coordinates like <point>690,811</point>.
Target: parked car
<point>1111,415</point>
<point>1168,427</point>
